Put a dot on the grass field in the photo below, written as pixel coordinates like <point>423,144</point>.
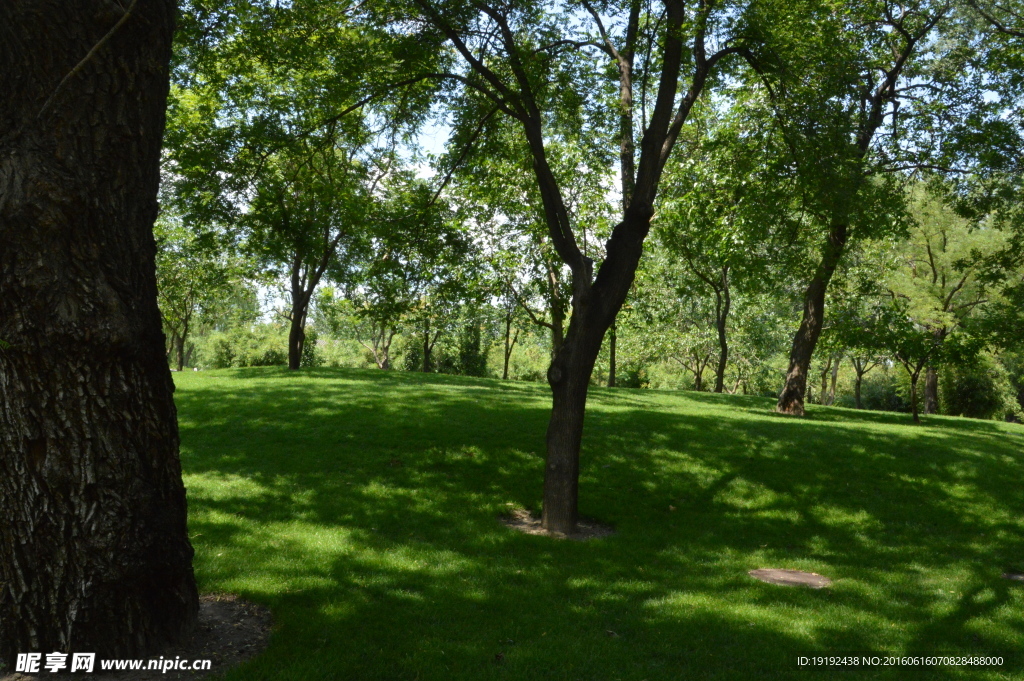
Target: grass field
<point>361,507</point>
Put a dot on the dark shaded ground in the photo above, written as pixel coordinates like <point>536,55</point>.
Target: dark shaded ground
<point>230,632</point>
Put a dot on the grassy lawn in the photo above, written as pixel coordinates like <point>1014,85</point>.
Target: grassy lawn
<point>361,506</point>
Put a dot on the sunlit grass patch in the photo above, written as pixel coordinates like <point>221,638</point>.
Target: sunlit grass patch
<point>362,507</point>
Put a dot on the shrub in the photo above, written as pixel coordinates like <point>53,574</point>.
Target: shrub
<point>632,375</point>
<point>883,390</point>
<point>980,389</point>
<point>263,345</point>
<point>311,357</point>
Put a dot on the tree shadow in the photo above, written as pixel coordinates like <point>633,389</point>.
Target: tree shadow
<point>363,510</point>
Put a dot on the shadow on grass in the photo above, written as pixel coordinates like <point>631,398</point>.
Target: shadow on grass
<point>361,506</point>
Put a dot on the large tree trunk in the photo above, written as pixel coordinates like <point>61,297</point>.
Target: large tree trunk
<point>791,399</point>
<point>94,552</point>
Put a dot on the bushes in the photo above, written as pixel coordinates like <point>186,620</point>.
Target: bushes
<point>262,345</point>
<point>311,355</point>
<point>981,389</point>
<point>883,389</point>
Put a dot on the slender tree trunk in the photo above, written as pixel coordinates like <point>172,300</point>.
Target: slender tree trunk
<point>569,378</point>
<point>835,377</point>
<point>297,334</point>
<point>611,356</point>
<point>856,389</point>
<point>931,391</point>
<point>825,371</point>
<point>508,346</point>
<point>182,339</point>
<point>179,351</point>
<point>723,301</point>
<point>94,551</point>
<point>426,345</point>
<point>791,399</point>
<point>723,351</point>
<point>913,396</point>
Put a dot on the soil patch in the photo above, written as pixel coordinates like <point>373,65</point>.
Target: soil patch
<point>1015,576</point>
<point>790,577</point>
<point>524,521</point>
<point>230,631</point>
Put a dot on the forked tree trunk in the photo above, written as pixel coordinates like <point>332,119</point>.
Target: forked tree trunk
<point>94,552</point>
<point>594,311</point>
<point>791,400</point>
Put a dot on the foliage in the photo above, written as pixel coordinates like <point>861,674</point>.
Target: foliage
<point>980,389</point>
<point>262,345</point>
<point>312,356</point>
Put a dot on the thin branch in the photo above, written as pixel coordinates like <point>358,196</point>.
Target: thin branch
<point>89,55</point>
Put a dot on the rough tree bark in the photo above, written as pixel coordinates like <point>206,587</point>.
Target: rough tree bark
<point>94,552</point>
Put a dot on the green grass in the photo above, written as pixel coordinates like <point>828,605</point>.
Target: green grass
<point>361,507</point>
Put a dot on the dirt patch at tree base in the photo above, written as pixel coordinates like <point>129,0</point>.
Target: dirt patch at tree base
<point>527,523</point>
<point>230,631</point>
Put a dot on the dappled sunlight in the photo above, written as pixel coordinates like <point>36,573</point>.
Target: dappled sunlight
<point>357,504</point>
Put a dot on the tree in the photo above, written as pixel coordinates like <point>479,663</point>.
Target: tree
<point>94,552</point>
<point>531,63</point>
<point>726,213</point>
<point>873,96</point>
<point>274,132</point>
<point>940,276</point>
<point>193,274</point>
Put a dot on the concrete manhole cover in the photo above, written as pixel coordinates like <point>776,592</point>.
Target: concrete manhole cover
<point>1017,577</point>
<point>790,577</point>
